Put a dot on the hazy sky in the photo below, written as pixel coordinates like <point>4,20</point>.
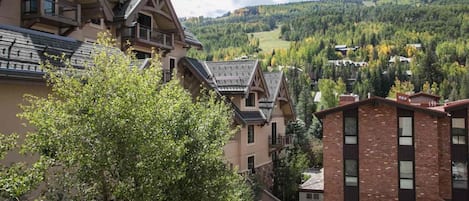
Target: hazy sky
<point>215,8</point>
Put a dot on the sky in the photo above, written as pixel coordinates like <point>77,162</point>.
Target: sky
<point>215,8</point>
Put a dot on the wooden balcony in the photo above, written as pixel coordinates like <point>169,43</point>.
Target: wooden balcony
<point>279,142</point>
<point>59,13</point>
<point>143,35</point>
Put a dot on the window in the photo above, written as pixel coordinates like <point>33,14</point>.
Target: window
<point>459,175</point>
<point>274,133</point>
<point>144,20</point>
<point>350,129</point>
<point>142,55</point>
<point>315,196</point>
<point>251,164</point>
<point>351,173</point>
<point>251,100</point>
<point>30,6</point>
<point>96,21</point>
<point>49,7</point>
<point>406,174</point>
<point>250,134</point>
<point>309,195</point>
<point>458,130</point>
<point>145,27</point>
<point>172,65</point>
<point>405,131</point>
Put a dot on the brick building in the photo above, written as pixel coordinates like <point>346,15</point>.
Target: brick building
<point>409,149</point>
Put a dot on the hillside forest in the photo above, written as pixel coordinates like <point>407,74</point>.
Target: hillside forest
<point>369,48</point>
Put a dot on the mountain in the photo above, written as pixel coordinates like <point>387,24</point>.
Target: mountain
<point>432,34</point>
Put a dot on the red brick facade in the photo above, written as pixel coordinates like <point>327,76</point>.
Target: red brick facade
<point>378,151</point>
<point>332,150</point>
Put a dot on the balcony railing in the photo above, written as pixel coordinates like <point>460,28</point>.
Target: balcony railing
<point>145,34</point>
<point>280,141</point>
<point>56,12</point>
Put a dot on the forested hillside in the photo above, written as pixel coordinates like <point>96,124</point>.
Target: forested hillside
<point>378,29</point>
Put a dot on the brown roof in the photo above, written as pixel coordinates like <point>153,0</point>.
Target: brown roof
<point>322,114</point>
<point>425,94</point>
<point>455,105</point>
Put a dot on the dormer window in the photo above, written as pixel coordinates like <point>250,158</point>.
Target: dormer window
<point>251,100</point>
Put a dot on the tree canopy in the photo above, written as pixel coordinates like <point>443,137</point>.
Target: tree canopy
<point>117,132</point>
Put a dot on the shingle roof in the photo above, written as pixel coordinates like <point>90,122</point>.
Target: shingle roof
<point>21,51</point>
<point>192,39</point>
<point>226,78</point>
<point>232,76</point>
<point>315,182</point>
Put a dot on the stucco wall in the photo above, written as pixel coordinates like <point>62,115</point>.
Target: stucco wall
<point>10,12</point>
<point>11,95</point>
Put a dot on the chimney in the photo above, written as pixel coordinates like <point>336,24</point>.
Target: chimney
<point>347,99</point>
<point>402,98</point>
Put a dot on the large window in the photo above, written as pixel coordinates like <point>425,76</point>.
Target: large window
<point>458,130</point>
<point>350,129</point>
<point>406,174</point>
<point>351,173</point>
<point>250,134</point>
<point>251,100</point>
<point>405,131</point>
<point>251,164</point>
<point>459,175</point>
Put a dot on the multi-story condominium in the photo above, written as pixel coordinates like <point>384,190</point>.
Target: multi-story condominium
<point>31,29</point>
<point>143,24</point>
<point>404,149</point>
<point>262,108</point>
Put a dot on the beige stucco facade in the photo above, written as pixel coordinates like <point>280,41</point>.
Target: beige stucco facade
<point>11,97</point>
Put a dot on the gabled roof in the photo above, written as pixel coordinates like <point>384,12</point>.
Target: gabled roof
<point>236,77</point>
<point>231,77</point>
<point>374,100</point>
<point>24,49</point>
<point>277,89</point>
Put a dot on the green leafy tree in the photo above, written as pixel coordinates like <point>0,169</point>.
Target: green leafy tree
<point>288,174</point>
<point>400,87</point>
<point>330,92</point>
<point>115,132</point>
